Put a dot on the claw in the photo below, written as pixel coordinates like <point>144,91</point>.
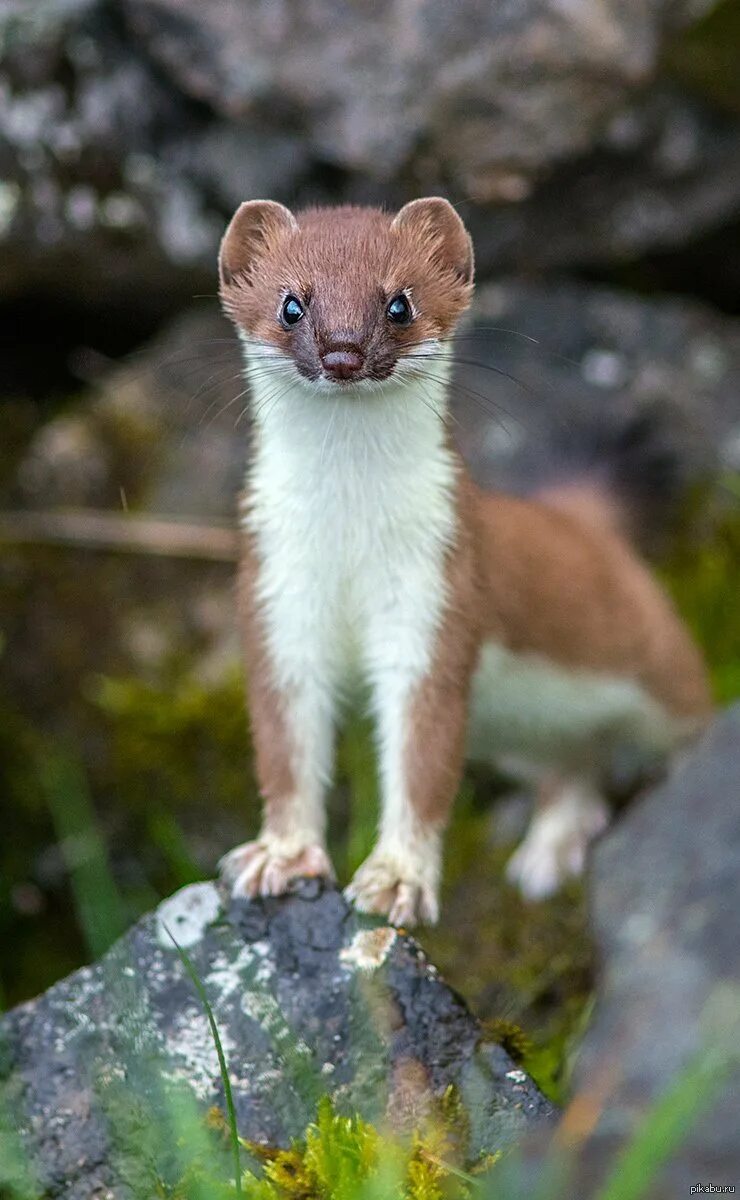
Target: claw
<point>382,886</point>
<point>262,868</point>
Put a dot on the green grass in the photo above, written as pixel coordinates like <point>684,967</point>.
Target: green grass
<point>704,579</point>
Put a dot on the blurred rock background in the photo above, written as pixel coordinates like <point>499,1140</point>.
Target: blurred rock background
<point>594,151</point>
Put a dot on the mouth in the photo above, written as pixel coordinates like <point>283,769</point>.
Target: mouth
<point>347,381</point>
<point>363,383</point>
<point>366,375</point>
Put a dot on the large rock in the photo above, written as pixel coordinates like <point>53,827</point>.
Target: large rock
<point>665,894</point>
<point>521,87</point>
<point>309,999</point>
<point>665,168</point>
<point>127,137</point>
<point>545,371</point>
<point>166,429</point>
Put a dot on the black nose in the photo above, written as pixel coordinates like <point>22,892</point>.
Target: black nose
<point>343,364</point>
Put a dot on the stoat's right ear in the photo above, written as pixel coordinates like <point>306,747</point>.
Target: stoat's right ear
<point>254,225</point>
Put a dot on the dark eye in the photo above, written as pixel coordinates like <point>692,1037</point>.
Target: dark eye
<point>292,311</point>
<point>399,310</point>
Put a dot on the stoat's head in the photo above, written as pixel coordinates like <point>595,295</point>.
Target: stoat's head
<point>345,295</point>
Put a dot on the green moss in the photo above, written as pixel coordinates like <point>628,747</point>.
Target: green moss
<point>703,575</point>
<point>38,946</point>
<point>346,1158</point>
<point>167,762</point>
<point>355,803</point>
<point>705,56</point>
<point>511,1036</point>
<point>178,739</point>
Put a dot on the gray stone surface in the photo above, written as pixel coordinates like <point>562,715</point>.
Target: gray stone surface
<point>665,893</point>
<point>665,168</point>
<point>129,133</point>
<point>167,427</point>
<point>564,366</point>
<point>521,85</point>
<point>666,898</point>
<point>309,998</point>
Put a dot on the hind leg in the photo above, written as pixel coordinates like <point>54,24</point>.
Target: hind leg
<point>569,813</point>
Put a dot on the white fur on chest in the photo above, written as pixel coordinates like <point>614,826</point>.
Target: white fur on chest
<point>350,498</point>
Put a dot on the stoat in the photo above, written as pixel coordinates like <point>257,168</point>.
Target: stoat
<point>527,632</point>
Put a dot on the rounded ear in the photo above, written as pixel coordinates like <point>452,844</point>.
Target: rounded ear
<point>254,224</point>
<point>434,219</point>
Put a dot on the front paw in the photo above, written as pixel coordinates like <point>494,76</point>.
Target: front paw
<point>405,893</point>
<point>268,866</point>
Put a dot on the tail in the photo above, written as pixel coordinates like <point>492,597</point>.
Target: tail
<point>634,477</point>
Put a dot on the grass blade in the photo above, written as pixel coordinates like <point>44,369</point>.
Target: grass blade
<point>228,1094</point>
<point>99,908</point>
<point>663,1130</point>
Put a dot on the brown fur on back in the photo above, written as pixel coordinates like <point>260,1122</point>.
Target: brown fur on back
<point>577,594</point>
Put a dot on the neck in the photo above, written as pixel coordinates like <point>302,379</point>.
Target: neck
<point>327,464</point>
<point>401,421</point>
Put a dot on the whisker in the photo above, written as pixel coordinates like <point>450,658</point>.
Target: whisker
<point>266,407</point>
<point>189,351</point>
<point>276,392</point>
<point>244,392</point>
<point>329,428</point>
<point>555,413</point>
<point>468,362</point>
<point>443,417</point>
<point>480,330</point>
<point>224,408</point>
<point>214,402</point>
<point>265,400</point>
<point>489,405</point>
<point>218,379</point>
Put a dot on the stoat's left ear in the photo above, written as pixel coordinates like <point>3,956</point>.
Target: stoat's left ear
<point>435,220</point>
<point>255,224</point>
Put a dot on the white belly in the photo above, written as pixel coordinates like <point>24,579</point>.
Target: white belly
<point>527,710</point>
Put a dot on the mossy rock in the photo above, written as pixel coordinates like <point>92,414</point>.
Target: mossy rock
<point>309,999</point>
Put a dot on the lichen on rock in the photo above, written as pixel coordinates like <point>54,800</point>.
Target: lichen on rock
<point>287,980</point>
